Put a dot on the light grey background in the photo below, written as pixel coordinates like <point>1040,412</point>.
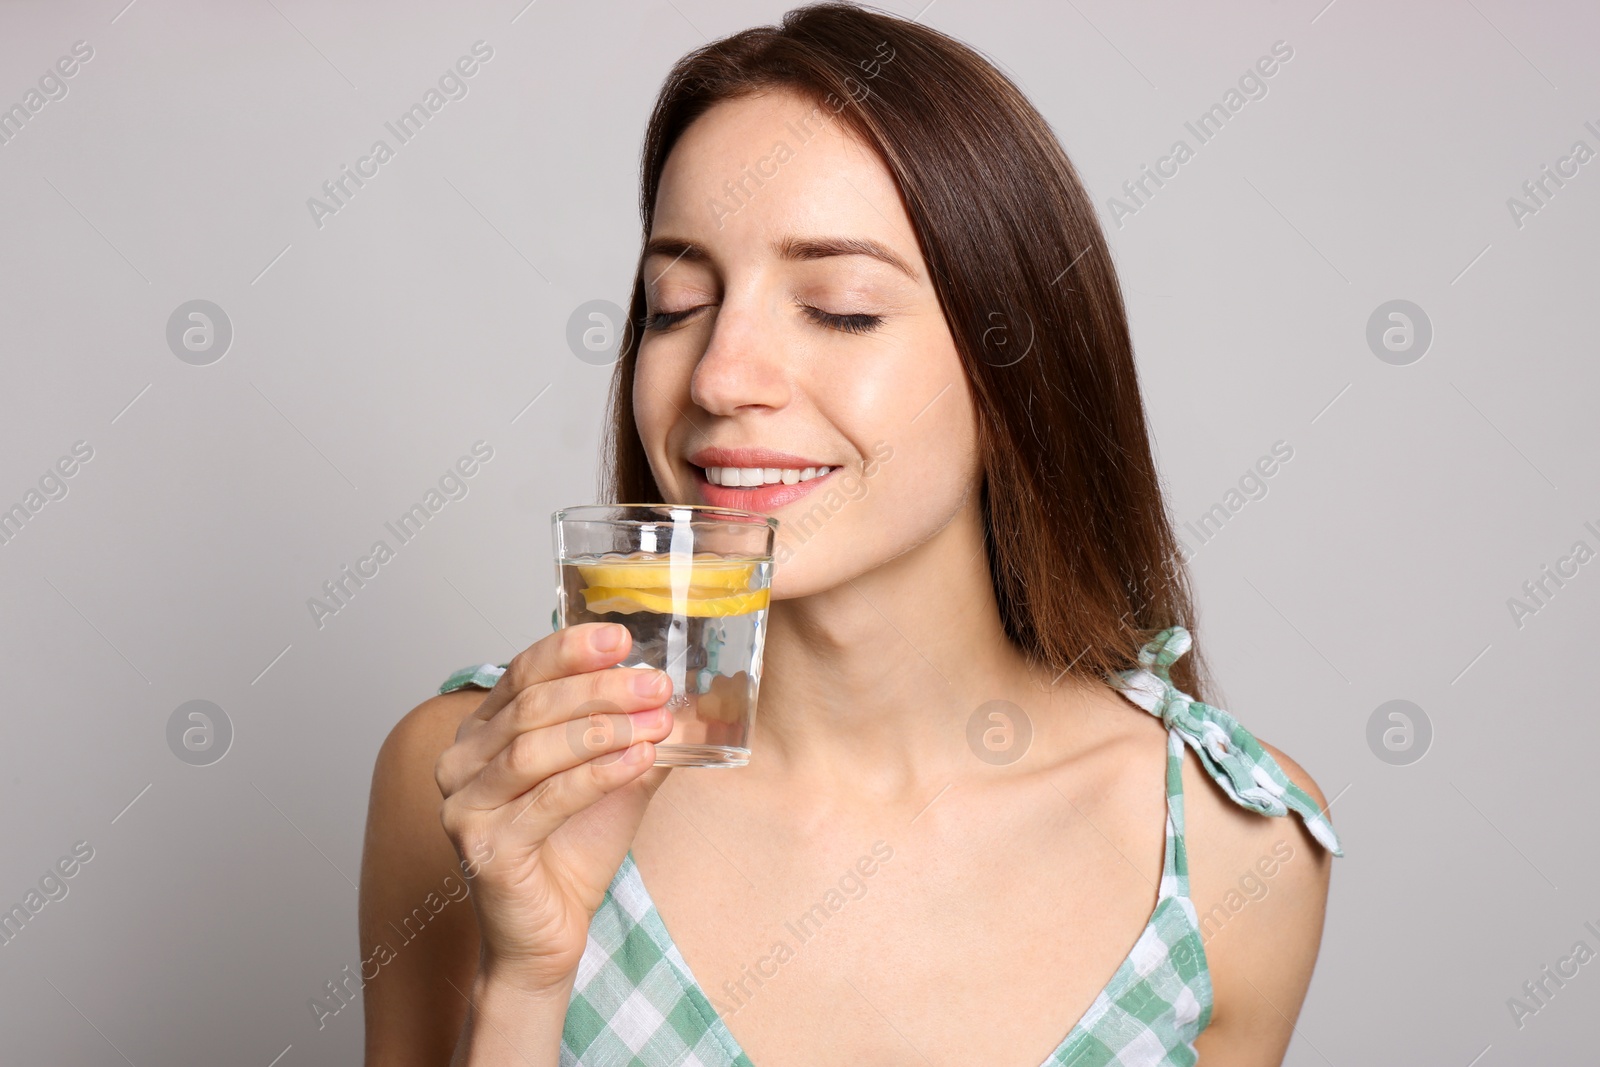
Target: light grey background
<point>370,353</point>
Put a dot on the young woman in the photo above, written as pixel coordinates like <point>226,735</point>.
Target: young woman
<point>864,251</point>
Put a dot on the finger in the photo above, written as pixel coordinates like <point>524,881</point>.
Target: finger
<point>543,810</point>
<point>563,701</point>
<point>534,756</point>
<point>570,650</point>
<point>568,701</point>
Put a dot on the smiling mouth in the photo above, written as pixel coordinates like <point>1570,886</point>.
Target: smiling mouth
<point>759,477</point>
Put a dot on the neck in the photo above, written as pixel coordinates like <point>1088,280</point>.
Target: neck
<point>870,686</point>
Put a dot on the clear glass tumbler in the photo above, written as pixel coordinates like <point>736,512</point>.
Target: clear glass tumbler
<point>691,583</point>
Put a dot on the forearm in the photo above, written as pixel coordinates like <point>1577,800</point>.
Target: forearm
<point>509,1025</point>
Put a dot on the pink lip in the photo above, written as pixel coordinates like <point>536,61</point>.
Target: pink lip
<point>757,498</point>
<point>752,457</point>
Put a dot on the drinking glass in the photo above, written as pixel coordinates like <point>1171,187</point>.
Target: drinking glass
<point>691,583</point>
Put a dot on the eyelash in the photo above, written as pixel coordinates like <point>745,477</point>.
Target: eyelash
<point>662,319</point>
<point>846,323</point>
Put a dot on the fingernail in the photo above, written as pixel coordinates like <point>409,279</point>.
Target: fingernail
<point>636,753</point>
<point>648,685</point>
<point>607,638</point>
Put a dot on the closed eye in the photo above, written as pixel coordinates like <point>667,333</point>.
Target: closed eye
<point>856,323</point>
<point>662,320</point>
<point>847,323</point>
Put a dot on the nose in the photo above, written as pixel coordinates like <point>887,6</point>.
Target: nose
<point>743,365</point>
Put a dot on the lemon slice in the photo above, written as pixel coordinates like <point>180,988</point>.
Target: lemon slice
<point>730,575</point>
<point>601,599</point>
<point>717,586</point>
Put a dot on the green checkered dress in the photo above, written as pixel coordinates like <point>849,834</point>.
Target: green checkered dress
<point>635,1002</point>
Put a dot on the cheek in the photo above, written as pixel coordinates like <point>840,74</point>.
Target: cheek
<point>654,393</point>
<point>913,423</point>
<point>911,366</point>
<point>653,415</point>
<point>934,463</point>
<point>921,405</point>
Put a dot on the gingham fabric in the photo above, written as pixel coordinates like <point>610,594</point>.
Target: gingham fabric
<point>1227,750</point>
<point>635,1003</point>
<point>483,676</point>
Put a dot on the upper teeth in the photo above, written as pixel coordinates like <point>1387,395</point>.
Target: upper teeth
<point>762,475</point>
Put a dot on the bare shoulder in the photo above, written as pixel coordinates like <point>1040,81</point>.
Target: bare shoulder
<point>418,931</point>
<point>1297,774</point>
<point>1225,838</point>
<point>404,791</point>
<point>429,727</point>
<point>1260,887</point>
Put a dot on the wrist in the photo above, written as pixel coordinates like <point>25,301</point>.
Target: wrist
<point>509,980</point>
<point>516,1019</point>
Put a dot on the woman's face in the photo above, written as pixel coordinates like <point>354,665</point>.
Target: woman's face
<point>790,311</point>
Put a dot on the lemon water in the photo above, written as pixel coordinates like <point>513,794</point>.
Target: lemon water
<point>701,619</point>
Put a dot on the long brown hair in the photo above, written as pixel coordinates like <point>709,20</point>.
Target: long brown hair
<point>1085,563</point>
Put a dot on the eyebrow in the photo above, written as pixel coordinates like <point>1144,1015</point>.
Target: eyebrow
<point>792,247</point>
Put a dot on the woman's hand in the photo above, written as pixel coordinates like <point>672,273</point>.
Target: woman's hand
<point>550,779</point>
